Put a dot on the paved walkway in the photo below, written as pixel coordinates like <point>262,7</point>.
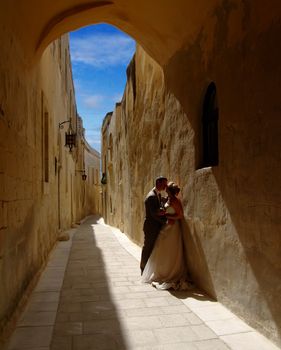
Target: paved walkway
<point>90,297</point>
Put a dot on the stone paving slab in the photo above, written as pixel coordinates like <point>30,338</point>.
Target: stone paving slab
<point>90,297</point>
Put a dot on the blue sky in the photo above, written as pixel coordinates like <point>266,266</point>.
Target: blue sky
<point>100,55</point>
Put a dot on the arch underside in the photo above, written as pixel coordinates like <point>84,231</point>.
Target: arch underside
<point>159,28</point>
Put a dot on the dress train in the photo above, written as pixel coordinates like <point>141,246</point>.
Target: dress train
<point>166,268</point>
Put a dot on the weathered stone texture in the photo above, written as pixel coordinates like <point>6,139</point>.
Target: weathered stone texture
<point>36,197</point>
<point>232,211</point>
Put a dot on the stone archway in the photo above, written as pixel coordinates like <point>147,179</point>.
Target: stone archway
<point>233,210</point>
<point>160,27</point>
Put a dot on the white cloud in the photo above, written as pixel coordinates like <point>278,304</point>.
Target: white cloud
<point>93,137</point>
<point>99,101</point>
<point>93,101</point>
<point>102,50</point>
<point>117,97</point>
<point>94,142</point>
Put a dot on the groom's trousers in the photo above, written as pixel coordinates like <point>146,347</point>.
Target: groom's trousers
<point>149,241</point>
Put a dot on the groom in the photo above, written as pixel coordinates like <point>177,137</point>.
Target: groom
<point>154,219</point>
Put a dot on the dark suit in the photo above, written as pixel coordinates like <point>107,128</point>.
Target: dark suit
<point>152,225</point>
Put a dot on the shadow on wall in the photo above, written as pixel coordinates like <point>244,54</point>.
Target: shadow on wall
<point>196,261</point>
<point>251,192</point>
<point>248,175</point>
<point>257,223</point>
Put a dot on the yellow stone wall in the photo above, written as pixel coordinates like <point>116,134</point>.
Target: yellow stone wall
<point>232,216</point>
<point>232,211</point>
<point>93,185</point>
<point>38,178</point>
<point>87,196</point>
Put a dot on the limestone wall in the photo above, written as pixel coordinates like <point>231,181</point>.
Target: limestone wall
<point>232,211</point>
<point>87,197</point>
<point>37,173</point>
<point>93,185</point>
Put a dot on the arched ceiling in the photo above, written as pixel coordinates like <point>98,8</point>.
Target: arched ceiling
<point>161,26</point>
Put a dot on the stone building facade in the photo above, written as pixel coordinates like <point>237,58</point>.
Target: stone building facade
<point>231,212</point>
<point>41,191</point>
<point>93,189</point>
<point>171,113</point>
<point>88,188</point>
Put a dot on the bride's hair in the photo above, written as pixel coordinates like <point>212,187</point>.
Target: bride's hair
<point>173,188</point>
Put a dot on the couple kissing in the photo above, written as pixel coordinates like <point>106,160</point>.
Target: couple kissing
<point>163,262</point>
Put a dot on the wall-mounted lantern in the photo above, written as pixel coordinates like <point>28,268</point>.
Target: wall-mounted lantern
<point>84,176</point>
<point>70,136</point>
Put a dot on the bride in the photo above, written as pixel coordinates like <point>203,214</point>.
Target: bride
<point>166,268</point>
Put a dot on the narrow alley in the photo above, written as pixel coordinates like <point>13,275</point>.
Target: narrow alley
<point>90,297</point>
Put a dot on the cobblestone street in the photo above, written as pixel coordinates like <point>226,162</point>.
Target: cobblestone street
<point>90,297</point>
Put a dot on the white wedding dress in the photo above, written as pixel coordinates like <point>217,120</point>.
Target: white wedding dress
<point>166,267</point>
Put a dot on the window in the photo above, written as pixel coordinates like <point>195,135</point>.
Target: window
<point>210,127</point>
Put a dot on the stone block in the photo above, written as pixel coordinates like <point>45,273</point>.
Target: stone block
<point>27,338</point>
<point>248,341</point>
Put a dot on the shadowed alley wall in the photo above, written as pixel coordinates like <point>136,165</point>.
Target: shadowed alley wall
<point>232,211</point>
<point>41,193</point>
